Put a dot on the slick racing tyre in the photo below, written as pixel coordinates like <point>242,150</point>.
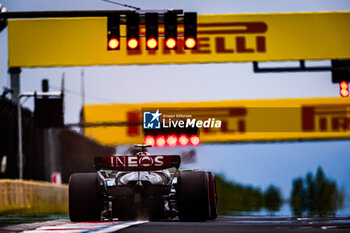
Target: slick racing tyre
<point>213,196</point>
<point>84,204</point>
<point>193,196</point>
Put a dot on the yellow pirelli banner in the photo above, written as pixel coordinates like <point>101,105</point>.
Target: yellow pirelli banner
<point>240,120</point>
<point>221,38</point>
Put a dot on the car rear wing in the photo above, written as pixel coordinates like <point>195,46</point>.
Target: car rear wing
<point>137,163</point>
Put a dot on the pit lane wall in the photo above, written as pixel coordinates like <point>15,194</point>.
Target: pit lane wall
<point>19,197</point>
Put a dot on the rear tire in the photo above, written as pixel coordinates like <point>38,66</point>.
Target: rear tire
<point>193,196</point>
<point>213,196</point>
<point>84,204</point>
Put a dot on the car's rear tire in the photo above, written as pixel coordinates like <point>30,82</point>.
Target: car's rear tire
<point>84,204</point>
<point>193,196</point>
<point>213,197</point>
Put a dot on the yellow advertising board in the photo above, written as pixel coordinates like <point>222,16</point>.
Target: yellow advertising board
<point>221,38</point>
<point>240,120</point>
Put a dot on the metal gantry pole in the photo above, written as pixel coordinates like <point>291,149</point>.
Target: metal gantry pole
<point>15,82</point>
<point>20,148</point>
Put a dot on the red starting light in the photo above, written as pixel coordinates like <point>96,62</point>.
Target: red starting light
<point>170,43</point>
<point>149,140</point>
<point>171,140</point>
<point>344,89</point>
<point>160,141</point>
<point>183,140</point>
<point>190,43</point>
<point>195,140</point>
<point>152,43</point>
<point>113,43</point>
<point>133,43</point>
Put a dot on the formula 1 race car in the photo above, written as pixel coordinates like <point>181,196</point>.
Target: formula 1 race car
<point>142,186</point>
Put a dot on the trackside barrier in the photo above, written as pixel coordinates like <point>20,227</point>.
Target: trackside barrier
<point>19,197</point>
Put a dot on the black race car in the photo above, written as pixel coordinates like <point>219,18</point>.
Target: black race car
<point>143,186</point>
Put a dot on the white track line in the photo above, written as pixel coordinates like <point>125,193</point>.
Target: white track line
<point>118,227</point>
<point>86,227</point>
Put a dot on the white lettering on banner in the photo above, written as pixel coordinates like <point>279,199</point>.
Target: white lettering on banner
<point>191,123</point>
